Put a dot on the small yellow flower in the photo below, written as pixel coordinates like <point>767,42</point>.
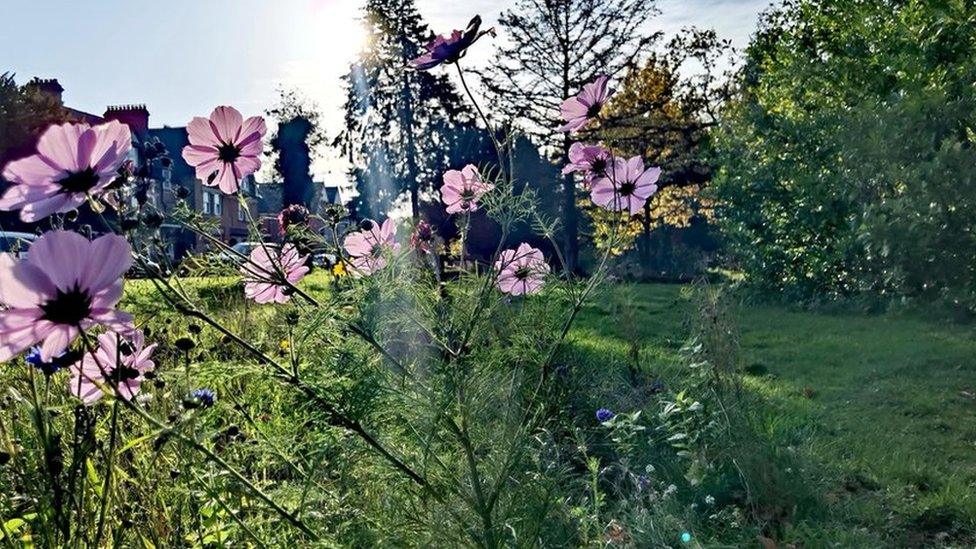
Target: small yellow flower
<point>283,345</point>
<point>339,269</point>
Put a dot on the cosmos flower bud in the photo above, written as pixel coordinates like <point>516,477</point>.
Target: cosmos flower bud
<point>128,223</point>
<point>153,219</point>
<point>184,344</point>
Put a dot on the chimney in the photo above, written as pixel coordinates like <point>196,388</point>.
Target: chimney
<point>134,116</point>
<point>48,86</point>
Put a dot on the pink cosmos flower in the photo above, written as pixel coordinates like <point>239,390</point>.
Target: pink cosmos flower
<point>521,271</point>
<point>119,360</point>
<point>66,283</point>
<point>590,160</point>
<point>625,186</point>
<point>267,269</point>
<point>73,161</point>
<point>462,189</point>
<point>226,148</point>
<point>449,49</point>
<point>586,105</point>
<point>369,248</point>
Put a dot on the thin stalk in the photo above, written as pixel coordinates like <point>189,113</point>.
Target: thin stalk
<point>283,373</point>
<point>216,496</point>
<point>107,485</point>
<point>199,447</point>
<point>491,132</point>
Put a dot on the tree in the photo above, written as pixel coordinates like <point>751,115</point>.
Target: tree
<point>400,123</point>
<point>294,162</point>
<point>553,48</point>
<point>665,112</point>
<point>847,158</point>
<point>25,112</point>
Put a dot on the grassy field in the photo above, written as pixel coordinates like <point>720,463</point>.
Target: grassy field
<point>870,420</point>
<point>880,409</point>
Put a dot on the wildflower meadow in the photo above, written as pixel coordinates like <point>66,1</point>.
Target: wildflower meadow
<point>621,313</point>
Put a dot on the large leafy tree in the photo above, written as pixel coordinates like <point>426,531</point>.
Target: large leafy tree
<point>25,113</point>
<point>549,50</point>
<point>847,160</point>
<point>401,124</point>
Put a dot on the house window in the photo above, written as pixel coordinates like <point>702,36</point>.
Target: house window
<point>218,204</point>
<point>167,179</point>
<point>240,213</point>
<point>208,203</point>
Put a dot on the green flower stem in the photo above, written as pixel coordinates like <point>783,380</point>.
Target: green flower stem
<point>107,485</point>
<point>338,418</point>
<point>295,521</point>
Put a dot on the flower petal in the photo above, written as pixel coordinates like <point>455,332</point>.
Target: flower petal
<point>227,123</point>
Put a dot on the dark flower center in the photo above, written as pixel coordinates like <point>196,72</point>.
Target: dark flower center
<point>125,373</point>
<point>377,250</point>
<point>228,152</point>
<point>125,348</point>
<point>627,189</point>
<point>594,110</point>
<point>79,182</point>
<point>599,165</point>
<point>69,307</point>
<point>522,273</point>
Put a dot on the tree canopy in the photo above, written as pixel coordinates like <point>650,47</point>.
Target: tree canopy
<point>847,157</point>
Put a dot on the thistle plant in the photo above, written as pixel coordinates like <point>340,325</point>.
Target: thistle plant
<point>437,373</point>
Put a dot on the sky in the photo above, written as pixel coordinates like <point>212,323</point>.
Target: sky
<point>181,58</point>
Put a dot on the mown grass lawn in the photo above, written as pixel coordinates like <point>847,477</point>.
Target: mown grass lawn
<point>881,408</point>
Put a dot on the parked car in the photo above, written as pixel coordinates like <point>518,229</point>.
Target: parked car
<point>242,248</point>
<point>16,243</point>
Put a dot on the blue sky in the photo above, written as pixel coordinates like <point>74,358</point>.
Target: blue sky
<point>183,57</point>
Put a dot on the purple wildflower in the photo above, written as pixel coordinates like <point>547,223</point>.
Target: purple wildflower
<point>50,367</point>
<point>206,397</point>
<point>449,49</point>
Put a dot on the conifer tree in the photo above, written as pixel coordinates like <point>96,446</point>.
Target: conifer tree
<point>401,124</point>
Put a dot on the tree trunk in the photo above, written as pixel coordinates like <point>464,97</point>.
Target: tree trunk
<point>645,245</point>
<point>407,131</point>
<point>412,176</point>
<point>570,218</point>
